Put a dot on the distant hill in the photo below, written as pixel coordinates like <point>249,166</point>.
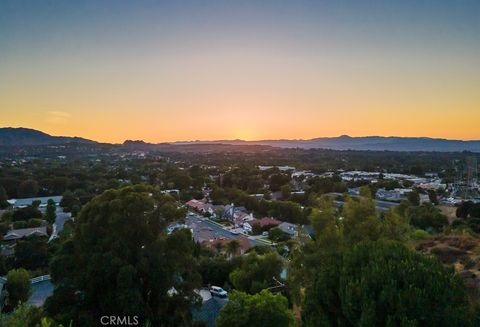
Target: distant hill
<point>373,143</point>
<point>24,136</point>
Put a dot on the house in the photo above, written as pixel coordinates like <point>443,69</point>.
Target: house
<point>243,245</point>
<point>424,198</point>
<point>288,228</point>
<point>263,224</point>
<point>22,203</point>
<point>207,208</point>
<point>230,211</point>
<point>196,204</point>
<point>17,234</point>
<point>392,195</point>
<point>240,218</point>
<point>203,234</point>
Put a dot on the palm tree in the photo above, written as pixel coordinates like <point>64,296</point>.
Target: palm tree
<point>232,247</point>
<point>218,246</point>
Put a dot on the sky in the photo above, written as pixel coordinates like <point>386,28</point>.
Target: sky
<point>208,70</point>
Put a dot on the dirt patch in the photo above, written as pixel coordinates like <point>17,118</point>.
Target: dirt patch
<point>459,251</point>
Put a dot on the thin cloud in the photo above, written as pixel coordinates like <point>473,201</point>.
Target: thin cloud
<point>57,117</point>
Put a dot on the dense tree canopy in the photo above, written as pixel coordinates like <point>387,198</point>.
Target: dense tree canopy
<point>28,189</point>
<point>384,284</point>
<point>120,247</point>
<point>257,272</point>
<point>31,252</point>
<point>261,309</point>
<point>18,287</point>
<point>50,213</point>
<point>3,198</point>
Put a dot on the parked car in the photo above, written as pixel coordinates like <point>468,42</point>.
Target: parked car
<point>234,231</point>
<point>265,234</point>
<point>218,291</point>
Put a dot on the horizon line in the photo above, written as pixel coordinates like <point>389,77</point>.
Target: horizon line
<point>243,140</point>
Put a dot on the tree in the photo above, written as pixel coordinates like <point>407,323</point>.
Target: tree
<point>426,216</point>
<point>121,248</point>
<point>232,247</point>
<point>286,191</point>
<point>69,201</point>
<point>275,234</point>
<point>216,270</point>
<point>218,246</point>
<point>32,252</point>
<point>3,198</point>
<point>394,226</point>
<point>277,180</point>
<point>385,284</point>
<point>50,213</point>
<point>360,221</point>
<point>23,316</point>
<point>26,213</point>
<point>262,309</point>
<point>28,189</point>
<point>257,272</point>
<point>414,198</point>
<point>18,287</point>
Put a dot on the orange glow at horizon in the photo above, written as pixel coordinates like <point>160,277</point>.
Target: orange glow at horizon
<point>250,70</point>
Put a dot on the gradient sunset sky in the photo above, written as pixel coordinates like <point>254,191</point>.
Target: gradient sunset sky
<point>187,70</point>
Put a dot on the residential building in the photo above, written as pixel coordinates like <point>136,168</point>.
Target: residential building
<point>289,229</point>
<point>263,224</point>
<point>22,203</point>
<point>17,234</point>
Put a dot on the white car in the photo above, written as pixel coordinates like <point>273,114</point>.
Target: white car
<point>234,231</point>
<point>218,291</point>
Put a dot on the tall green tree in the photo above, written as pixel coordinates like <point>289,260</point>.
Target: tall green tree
<point>3,198</point>
<point>18,287</point>
<point>261,309</point>
<point>28,189</point>
<point>32,252</point>
<point>360,220</point>
<point>50,213</point>
<point>257,272</point>
<point>383,283</point>
<point>121,262</point>
<point>232,247</point>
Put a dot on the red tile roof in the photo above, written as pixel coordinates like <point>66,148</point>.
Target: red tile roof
<point>265,221</point>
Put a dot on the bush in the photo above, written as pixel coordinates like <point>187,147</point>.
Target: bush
<point>419,234</point>
<point>474,224</point>
<point>34,222</point>
<point>4,228</point>
<point>26,213</point>
<point>19,224</point>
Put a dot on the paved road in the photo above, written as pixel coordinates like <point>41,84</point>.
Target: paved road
<point>60,220</point>
<point>202,222</point>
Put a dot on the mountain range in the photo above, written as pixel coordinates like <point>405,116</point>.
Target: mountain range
<point>24,136</point>
<point>369,143</point>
